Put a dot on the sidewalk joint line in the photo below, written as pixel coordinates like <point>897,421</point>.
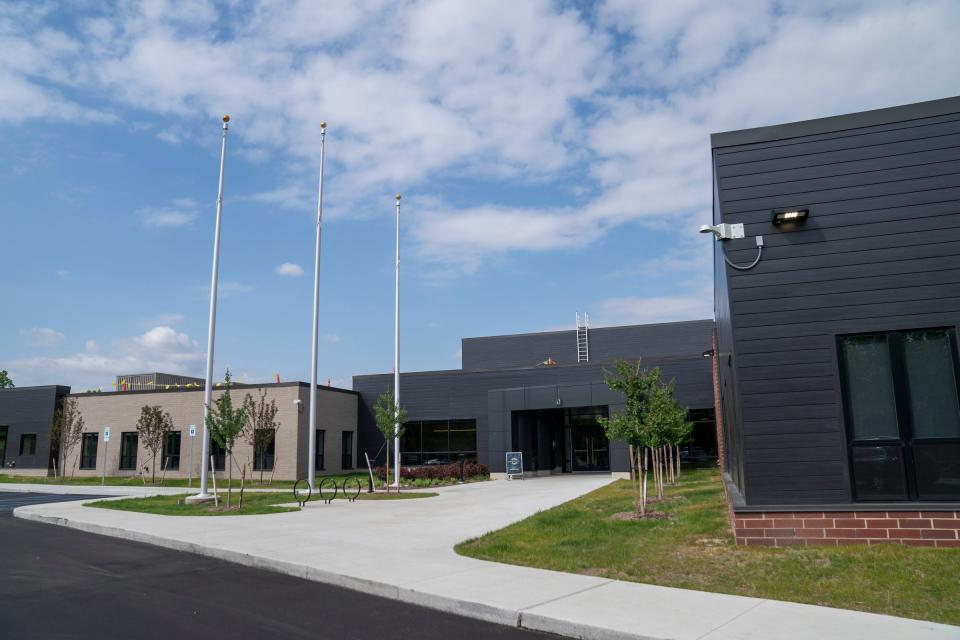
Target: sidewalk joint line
<point>567,595</point>
<point>736,617</point>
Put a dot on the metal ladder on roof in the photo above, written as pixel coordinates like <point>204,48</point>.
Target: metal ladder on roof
<point>583,338</point>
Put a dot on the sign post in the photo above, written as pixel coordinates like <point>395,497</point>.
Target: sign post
<point>193,434</point>
<point>514,465</point>
<point>106,439</point>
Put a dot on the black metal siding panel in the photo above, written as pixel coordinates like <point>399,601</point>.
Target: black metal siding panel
<point>879,252</point>
<point>664,340</point>
<point>467,394</point>
<point>29,410</point>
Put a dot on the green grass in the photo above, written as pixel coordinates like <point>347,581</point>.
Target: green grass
<point>254,503</point>
<point>694,549</point>
<point>252,482</point>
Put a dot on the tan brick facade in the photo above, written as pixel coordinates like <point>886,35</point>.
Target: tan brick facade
<point>915,528</point>
<point>336,413</point>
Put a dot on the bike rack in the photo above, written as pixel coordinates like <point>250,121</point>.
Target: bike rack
<point>356,481</point>
<point>298,495</point>
<point>323,497</point>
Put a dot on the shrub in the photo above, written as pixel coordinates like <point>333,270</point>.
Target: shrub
<point>439,471</point>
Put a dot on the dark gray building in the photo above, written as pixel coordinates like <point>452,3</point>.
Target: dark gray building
<point>26,415</point>
<point>837,355</point>
<point>534,393</point>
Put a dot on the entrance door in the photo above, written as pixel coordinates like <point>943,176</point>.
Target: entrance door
<point>590,448</point>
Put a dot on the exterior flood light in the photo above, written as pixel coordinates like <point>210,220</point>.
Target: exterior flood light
<point>724,231</point>
<point>789,216</point>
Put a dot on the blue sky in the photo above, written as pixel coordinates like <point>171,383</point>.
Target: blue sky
<point>553,157</point>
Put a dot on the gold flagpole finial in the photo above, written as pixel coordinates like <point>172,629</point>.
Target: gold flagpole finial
<point>398,197</point>
<point>226,118</point>
<point>323,125</point>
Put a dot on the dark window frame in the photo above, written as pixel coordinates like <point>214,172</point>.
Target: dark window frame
<point>321,444</point>
<point>84,462</point>
<point>32,439</point>
<point>421,455</point>
<point>174,464</point>
<point>124,463</point>
<point>346,453</point>
<point>264,460</point>
<point>903,411</point>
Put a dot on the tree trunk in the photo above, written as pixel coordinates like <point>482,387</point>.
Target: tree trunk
<point>677,447</point>
<point>386,480</point>
<point>243,475</point>
<point>634,480</point>
<point>153,468</point>
<point>230,481</point>
<point>642,461</point>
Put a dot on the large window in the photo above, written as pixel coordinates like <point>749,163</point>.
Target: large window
<point>88,450</point>
<point>28,444</point>
<point>347,450</point>
<point>264,447</point>
<point>321,446</point>
<point>219,456</point>
<point>171,450</point>
<point>438,441</point>
<point>903,415</point>
<point>128,450</point>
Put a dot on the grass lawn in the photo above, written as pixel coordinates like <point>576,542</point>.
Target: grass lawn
<point>254,503</point>
<point>252,482</point>
<point>694,549</point>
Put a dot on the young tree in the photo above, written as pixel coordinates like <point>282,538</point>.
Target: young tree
<point>67,430</point>
<point>650,423</point>
<point>225,424</point>
<point>262,425</point>
<point>5,381</point>
<point>153,425</point>
<point>390,418</point>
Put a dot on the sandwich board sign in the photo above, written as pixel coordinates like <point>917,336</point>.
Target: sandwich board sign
<point>514,465</point>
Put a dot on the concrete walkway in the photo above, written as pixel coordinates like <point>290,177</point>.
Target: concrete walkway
<point>404,550</point>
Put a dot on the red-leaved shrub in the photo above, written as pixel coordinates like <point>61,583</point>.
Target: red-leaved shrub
<point>439,471</point>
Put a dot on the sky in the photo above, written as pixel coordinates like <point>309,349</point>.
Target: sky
<point>553,157</point>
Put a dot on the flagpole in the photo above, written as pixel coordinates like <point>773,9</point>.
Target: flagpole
<point>396,359</point>
<point>312,436</point>
<point>204,495</point>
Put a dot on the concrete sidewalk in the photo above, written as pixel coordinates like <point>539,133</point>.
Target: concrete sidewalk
<point>404,550</point>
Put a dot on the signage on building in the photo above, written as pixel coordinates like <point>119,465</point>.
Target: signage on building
<point>106,434</point>
<point>514,464</point>
<point>193,431</point>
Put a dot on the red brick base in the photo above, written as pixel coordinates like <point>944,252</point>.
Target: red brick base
<point>916,528</point>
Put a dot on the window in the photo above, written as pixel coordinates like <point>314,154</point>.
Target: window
<point>347,450</point>
<point>128,450</point>
<point>171,450</point>
<point>219,456</point>
<point>903,416</point>
<point>88,451</point>
<point>3,445</point>
<point>438,441</point>
<point>264,444</point>
<point>28,444</point>
<point>321,446</point>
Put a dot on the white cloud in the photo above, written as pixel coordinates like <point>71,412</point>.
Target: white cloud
<point>157,349</point>
<point>181,213</point>
<point>62,273</point>
<point>332,338</point>
<point>41,337</point>
<point>522,94</point>
<point>289,269</point>
<point>638,310</point>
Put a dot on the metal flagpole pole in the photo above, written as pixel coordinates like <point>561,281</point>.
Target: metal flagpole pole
<point>211,326</point>
<point>312,436</point>
<point>396,359</point>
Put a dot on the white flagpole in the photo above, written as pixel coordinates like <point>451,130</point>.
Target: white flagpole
<point>211,326</point>
<point>396,359</point>
<point>312,437</point>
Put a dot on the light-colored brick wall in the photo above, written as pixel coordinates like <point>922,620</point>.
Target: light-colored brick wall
<point>120,411</point>
<point>915,528</point>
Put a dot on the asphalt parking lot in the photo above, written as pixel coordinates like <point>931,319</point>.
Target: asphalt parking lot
<point>10,500</point>
<point>63,583</point>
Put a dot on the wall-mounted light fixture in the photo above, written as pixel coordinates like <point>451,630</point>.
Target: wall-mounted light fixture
<point>790,216</point>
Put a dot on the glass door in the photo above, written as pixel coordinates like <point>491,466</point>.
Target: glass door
<point>590,448</point>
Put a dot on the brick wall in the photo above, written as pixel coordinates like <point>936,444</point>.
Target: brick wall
<point>916,528</point>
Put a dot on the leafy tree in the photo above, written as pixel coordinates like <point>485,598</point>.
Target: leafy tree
<point>225,424</point>
<point>67,429</point>
<point>153,425</point>
<point>262,425</point>
<point>390,418</point>
<point>651,422</point>
<point>5,381</point>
